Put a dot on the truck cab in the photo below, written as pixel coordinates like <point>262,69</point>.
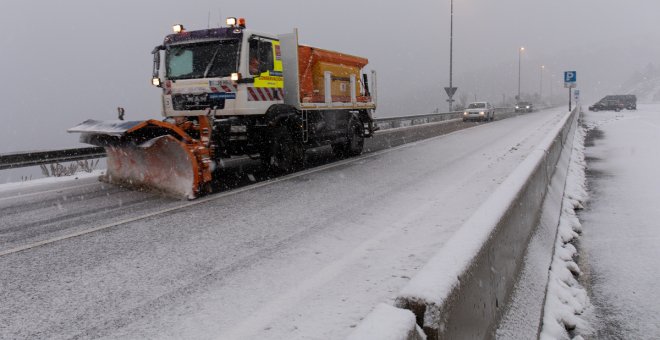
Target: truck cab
<point>230,70</point>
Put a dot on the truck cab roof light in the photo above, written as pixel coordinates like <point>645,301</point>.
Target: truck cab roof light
<point>231,21</point>
<point>241,22</point>
<point>178,28</point>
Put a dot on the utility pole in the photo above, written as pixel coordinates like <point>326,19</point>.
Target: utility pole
<point>552,84</point>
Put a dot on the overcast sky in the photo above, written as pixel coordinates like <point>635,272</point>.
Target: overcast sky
<point>67,60</point>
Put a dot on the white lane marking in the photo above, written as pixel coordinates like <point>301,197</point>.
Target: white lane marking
<point>49,191</point>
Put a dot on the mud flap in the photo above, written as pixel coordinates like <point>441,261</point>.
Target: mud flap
<point>162,163</point>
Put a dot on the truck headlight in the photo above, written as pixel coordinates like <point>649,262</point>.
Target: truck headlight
<point>482,113</point>
<point>235,77</point>
<point>465,113</point>
<point>155,81</point>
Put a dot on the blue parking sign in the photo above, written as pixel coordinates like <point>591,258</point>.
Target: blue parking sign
<point>570,77</point>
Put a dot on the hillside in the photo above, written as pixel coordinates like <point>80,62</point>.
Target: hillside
<point>644,84</point>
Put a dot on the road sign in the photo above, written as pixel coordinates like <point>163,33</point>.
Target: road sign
<point>576,95</point>
<point>450,91</point>
<point>570,77</point>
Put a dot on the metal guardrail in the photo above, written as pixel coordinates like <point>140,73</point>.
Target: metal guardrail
<point>397,122</point>
<point>32,158</point>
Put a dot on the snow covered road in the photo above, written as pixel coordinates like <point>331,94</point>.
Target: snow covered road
<point>304,256</point>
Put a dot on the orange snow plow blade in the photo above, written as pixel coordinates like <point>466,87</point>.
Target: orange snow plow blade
<point>150,155</point>
<point>163,163</point>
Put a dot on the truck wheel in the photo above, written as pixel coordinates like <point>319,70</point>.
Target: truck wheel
<point>286,154</point>
<point>355,143</point>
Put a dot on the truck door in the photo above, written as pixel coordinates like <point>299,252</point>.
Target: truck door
<point>265,65</point>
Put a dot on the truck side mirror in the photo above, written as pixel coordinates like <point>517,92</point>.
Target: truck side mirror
<point>155,74</point>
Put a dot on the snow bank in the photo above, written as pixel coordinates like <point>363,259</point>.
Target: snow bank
<point>566,300</point>
<point>49,180</point>
<point>524,310</point>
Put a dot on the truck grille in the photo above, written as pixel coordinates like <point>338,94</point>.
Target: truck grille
<point>188,102</point>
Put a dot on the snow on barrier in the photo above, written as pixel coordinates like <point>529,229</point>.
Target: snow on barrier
<point>462,291</point>
<point>401,325</point>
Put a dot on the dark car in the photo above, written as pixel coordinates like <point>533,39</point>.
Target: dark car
<point>524,107</point>
<point>623,101</point>
<point>608,105</point>
<point>629,101</point>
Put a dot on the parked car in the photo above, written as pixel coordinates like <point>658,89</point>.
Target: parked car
<point>629,101</point>
<point>524,107</point>
<point>479,111</point>
<point>607,105</point>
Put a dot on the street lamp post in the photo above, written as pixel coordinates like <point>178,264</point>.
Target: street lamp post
<point>541,85</point>
<point>451,89</point>
<point>520,50</point>
<point>552,84</point>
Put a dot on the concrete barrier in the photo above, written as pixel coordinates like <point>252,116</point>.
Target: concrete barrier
<point>462,291</point>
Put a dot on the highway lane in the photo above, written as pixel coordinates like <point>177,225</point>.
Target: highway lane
<point>304,256</point>
<point>65,209</point>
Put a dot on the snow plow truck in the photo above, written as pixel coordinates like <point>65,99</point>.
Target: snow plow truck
<point>231,91</point>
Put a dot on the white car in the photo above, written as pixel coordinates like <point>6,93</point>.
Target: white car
<point>479,111</point>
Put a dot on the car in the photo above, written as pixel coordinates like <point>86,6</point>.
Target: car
<point>524,107</point>
<point>608,105</point>
<point>483,111</point>
<point>629,101</point>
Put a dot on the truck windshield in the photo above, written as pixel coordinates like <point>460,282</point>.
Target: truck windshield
<point>202,60</point>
